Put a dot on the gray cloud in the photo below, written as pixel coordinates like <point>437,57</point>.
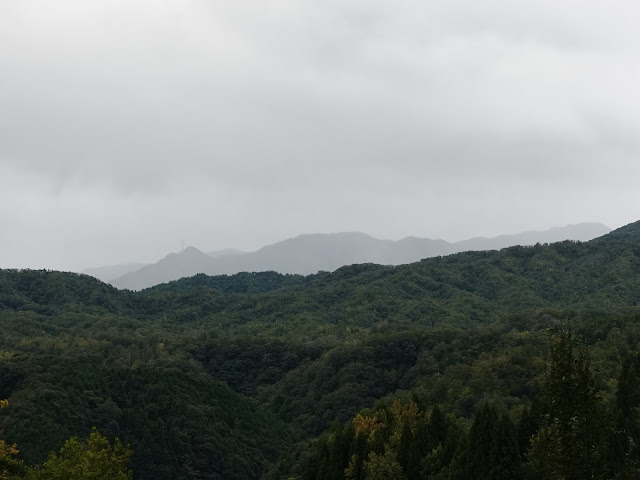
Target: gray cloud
<point>125,128</point>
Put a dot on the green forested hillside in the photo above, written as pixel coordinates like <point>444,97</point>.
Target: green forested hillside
<point>233,376</point>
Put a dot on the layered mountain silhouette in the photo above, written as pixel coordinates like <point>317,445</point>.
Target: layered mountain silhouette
<point>311,253</point>
<point>110,272</point>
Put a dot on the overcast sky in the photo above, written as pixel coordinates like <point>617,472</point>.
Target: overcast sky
<point>127,126</point>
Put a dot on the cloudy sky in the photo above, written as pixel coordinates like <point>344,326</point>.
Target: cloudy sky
<point>127,126</point>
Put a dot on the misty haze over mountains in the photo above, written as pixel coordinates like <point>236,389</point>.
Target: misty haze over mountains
<point>113,271</point>
<point>310,253</point>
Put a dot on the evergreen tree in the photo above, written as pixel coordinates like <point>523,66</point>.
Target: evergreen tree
<point>405,450</point>
<point>419,447</point>
<point>333,454</point>
<point>358,451</point>
<point>354,470</point>
<point>459,468</point>
<point>432,463</point>
<point>572,443</point>
<point>383,467</point>
<point>481,438</point>
<point>624,452</point>
<point>505,456</point>
<point>528,425</point>
<point>340,442</point>
<point>437,427</point>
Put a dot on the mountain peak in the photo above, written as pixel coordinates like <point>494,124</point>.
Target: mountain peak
<point>191,251</point>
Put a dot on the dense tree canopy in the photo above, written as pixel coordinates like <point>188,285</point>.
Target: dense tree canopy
<point>415,371</point>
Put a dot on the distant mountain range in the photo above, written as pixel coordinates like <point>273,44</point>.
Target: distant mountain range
<point>311,253</point>
<point>110,272</point>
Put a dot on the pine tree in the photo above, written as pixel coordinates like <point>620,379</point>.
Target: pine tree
<point>571,445</point>
<point>383,467</point>
<point>459,468</point>
<point>405,449</point>
<point>480,442</point>
<point>505,455</point>
<point>527,427</point>
<point>437,428</point>
<point>624,451</point>
<point>419,447</point>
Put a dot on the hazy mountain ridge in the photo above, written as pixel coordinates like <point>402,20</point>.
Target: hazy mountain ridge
<point>108,273</point>
<point>112,272</point>
<point>310,253</point>
<point>582,232</point>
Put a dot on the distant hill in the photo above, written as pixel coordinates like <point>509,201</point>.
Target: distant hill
<point>111,272</point>
<point>582,232</point>
<point>188,262</point>
<point>311,253</point>
<point>106,274</point>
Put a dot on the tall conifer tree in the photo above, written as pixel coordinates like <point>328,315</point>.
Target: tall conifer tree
<point>571,445</point>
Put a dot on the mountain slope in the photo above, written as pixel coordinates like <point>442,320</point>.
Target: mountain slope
<point>628,233</point>
<point>311,253</point>
<point>188,262</point>
<point>582,232</point>
<point>111,272</point>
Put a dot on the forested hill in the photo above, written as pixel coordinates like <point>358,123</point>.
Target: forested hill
<point>628,233</point>
<point>459,289</point>
<point>229,376</point>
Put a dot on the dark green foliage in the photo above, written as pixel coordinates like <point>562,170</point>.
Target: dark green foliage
<point>504,458</point>
<point>527,427</point>
<point>572,443</point>
<point>248,364</point>
<point>250,283</point>
<point>179,424</point>
<point>624,453</point>
<point>298,352</point>
<point>437,427</point>
<point>491,451</point>
<point>95,460</point>
<point>481,440</point>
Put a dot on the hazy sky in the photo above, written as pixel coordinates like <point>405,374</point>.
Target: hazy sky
<point>129,126</point>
